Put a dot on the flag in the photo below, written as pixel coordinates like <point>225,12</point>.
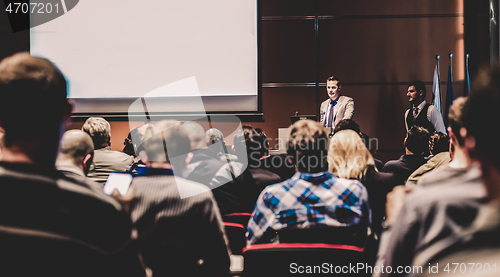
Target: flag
<point>436,91</point>
<point>449,96</point>
<point>467,78</point>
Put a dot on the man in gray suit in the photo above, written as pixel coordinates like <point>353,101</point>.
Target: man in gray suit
<point>337,107</point>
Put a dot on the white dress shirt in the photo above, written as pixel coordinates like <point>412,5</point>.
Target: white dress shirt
<point>433,116</point>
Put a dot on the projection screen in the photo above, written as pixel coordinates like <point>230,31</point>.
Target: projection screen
<point>173,54</point>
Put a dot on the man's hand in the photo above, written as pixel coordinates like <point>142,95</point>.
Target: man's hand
<point>125,199</point>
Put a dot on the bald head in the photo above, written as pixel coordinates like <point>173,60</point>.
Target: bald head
<point>76,149</point>
<point>196,134</point>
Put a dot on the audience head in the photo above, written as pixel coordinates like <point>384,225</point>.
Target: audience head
<point>479,115</point>
<point>2,134</point>
<point>130,147</point>
<point>34,105</point>
<point>307,145</point>
<point>196,134</point>
<point>347,124</point>
<point>455,121</point>
<point>261,138</point>
<point>76,149</point>
<point>438,142</point>
<point>165,143</point>
<point>99,130</point>
<point>348,156</point>
<point>214,135</point>
<point>243,140</point>
<point>416,92</point>
<point>417,140</point>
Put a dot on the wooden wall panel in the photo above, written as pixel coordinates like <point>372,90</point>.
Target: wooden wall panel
<point>288,51</point>
<point>389,50</point>
<point>389,7</point>
<point>287,7</point>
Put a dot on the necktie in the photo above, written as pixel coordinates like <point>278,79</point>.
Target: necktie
<point>330,117</point>
<point>415,113</point>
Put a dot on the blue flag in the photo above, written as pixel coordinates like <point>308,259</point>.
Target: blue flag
<point>449,96</point>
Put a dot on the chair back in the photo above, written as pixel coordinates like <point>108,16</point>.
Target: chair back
<point>28,252</point>
<point>235,225</point>
<point>290,259</point>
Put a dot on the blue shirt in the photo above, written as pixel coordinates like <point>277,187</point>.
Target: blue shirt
<point>331,109</point>
<point>307,200</point>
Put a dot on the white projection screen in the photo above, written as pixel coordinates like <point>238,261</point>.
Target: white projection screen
<point>172,54</point>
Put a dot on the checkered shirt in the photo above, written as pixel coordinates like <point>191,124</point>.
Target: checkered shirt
<point>307,200</point>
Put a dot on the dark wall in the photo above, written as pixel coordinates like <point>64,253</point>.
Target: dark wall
<point>375,47</point>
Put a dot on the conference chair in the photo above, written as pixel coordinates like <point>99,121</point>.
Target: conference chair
<point>235,225</point>
<point>291,259</point>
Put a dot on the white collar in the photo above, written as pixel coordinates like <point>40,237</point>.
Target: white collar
<point>421,105</point>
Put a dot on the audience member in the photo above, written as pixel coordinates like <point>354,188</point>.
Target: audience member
<point>348,158</point>
<point>480,245</point>
<point>461,162</point>
<point>416,143</point>
<point>277,164</point>
<point>180,230</point>
<point>40,205</point>
<point>257,148</point>
<point>134,141</point>
<point>215,142</point>
<point>435,213</point>
<point>439,145</point>
<point>2,134</point>
<point>349,124</point>
<point>313,197</point>
<point>129,148</point>
<point>76,152</point>
<point>105,159</point>
<point>237,185</point>
<point>205,162</point>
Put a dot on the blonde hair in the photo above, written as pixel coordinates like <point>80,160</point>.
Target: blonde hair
<point>348,156</point>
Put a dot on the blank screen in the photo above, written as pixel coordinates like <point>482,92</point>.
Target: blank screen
<point>174,53</point>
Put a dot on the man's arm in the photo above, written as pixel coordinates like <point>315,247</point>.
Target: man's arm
<point>406,116</point>
<point>261,219</point>
<point>349,109</point>
<point>436,119</point>
<point>397,244</point>
<point>217,242</point>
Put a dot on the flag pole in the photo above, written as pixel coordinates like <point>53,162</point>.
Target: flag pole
<point>467,78</point>
<point>439,78</point>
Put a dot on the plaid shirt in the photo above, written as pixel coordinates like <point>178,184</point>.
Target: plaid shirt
<point>307,200</point>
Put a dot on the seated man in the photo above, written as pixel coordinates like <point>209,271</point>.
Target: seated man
<point>416,143</point>
<point>105,159</point>
<point>277,164</point>
<point>441,208</point>
<point>76,152</point>
<point>312,197</point>
<point>256,148</point>
<point>439,145</point>
<point>40,206</point>
<point>180,230</point>
<point>479,247</point>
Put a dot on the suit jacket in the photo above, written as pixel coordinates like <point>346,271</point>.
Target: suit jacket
<point>343,110</point>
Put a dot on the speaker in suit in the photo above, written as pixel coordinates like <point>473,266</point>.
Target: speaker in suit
<point>344,109</point>
<point>341,106</point>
